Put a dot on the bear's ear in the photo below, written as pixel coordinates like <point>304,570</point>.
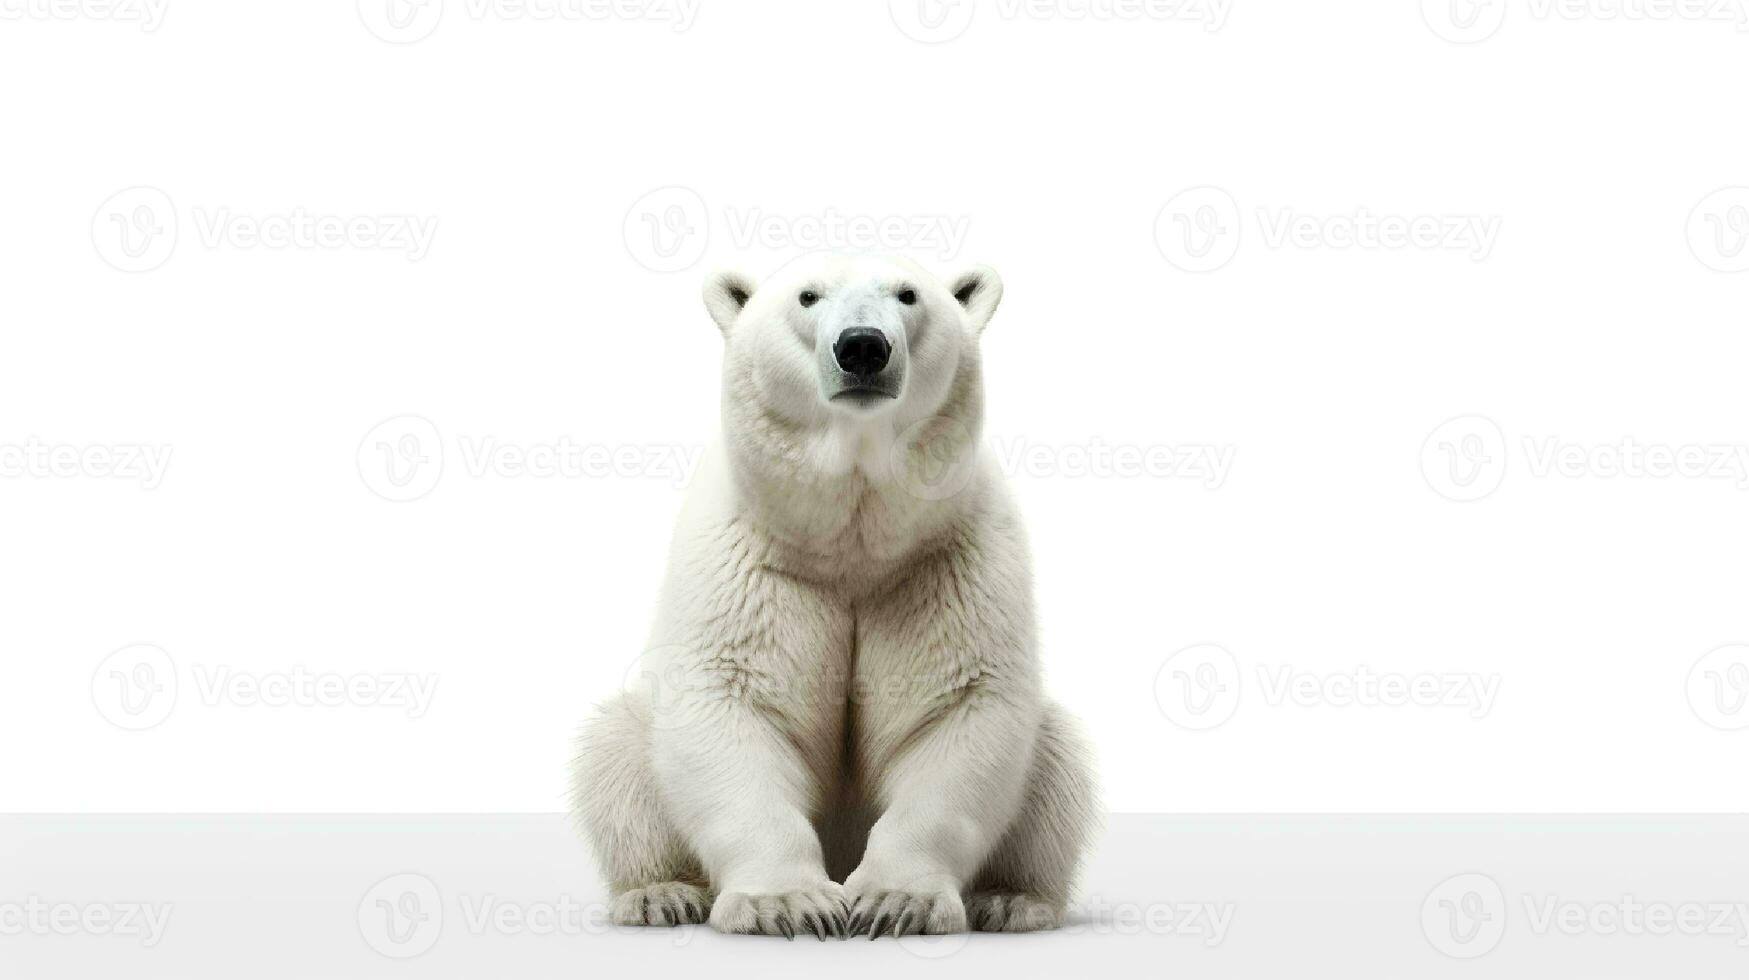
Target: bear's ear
<point>725,294</point>
<point>978,289</point>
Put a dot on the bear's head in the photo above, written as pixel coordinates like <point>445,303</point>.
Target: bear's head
<point>835,342</point>
<point>853,398</point>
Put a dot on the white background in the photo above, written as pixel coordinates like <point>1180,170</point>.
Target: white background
<point>558,300</point>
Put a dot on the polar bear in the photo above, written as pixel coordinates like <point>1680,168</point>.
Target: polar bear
<point>839,726</point>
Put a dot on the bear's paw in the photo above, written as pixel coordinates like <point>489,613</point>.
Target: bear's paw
<point>821,911</point>
<point>1010,912</point>
<point>666,903</point>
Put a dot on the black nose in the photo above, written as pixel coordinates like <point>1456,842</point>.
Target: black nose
<point>862,351</point>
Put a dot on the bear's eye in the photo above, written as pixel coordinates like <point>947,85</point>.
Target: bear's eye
<point>809,297</point>
<point>907,296</point>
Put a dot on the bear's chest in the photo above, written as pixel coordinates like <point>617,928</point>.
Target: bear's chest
<point>857,539</point>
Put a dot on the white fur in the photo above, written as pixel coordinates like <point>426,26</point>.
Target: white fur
<point>843,728</point>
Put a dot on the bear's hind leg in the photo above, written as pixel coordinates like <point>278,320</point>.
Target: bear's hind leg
<point>1026,882</point>
<point>652,876</point>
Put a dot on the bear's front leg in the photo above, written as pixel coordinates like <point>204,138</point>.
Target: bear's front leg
<point>948,705</point>
<point>741,788</point>
<point>748,735</point>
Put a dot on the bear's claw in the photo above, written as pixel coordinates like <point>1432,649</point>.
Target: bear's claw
<point>823,925</point>
<point>1010,912</point>
<point>821,913</point>
<point>900,913</point>
<point>665,903</point>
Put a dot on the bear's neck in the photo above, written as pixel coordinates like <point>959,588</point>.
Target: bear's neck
<point>858,500</point>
